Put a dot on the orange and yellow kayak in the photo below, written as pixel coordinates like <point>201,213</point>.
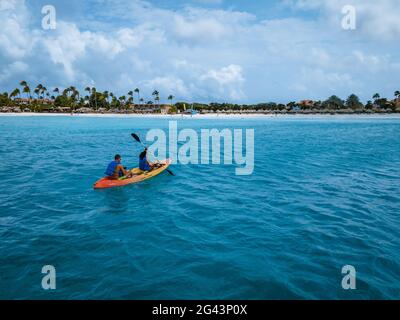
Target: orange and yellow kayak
<point>138,176</point>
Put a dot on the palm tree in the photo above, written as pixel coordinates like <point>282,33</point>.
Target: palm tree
<point>376,96</point>
<point>141,100</point>
<point>397,94</point>
<point>25,87</point>
<point>89,91</point>
<point>138,93</point>
<point>75,96</point>
<point>27,90</point>
<point>56,90</point>
<point>114,101</point>
<point>155,94</point>
<point>15,93</point>
<point>106,95</point>
<point>102,100</point>
<point>86,98</point>
<point>38,90</point>
<point>94,92</point>
<point>72,89</point>
<point>131,100</point>
<point>130,94</point>
<point>122,100</point>
<point>170,98</point>
<point>43,91</point>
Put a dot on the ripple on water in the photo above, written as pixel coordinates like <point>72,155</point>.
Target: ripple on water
<point>323,194</point>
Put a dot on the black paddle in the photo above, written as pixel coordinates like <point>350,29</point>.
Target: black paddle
<point>136,137</point>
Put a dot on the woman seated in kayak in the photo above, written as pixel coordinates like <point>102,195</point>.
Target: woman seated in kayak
<point>144,163</point>
<point>116,170</point>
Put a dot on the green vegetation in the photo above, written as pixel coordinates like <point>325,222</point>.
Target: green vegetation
<point>71,100</point>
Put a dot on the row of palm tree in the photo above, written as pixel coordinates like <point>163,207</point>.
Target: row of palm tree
<point>332,104</point>
<point>40,91</point>
<point>71,97</point>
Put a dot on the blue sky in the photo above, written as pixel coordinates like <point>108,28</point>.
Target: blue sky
<point>205,50</point>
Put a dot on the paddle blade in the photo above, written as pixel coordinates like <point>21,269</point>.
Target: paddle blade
<point>136,137</point>
<point>170,172</point>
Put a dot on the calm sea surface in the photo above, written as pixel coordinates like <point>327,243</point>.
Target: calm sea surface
<point>325,193</point>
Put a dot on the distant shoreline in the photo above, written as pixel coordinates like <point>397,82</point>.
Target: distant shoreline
<point>203,116</point>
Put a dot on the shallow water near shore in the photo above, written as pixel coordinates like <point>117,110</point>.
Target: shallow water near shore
<point>325,193</point>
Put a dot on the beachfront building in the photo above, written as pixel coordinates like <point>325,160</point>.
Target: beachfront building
<point>306,104</point>
<point>149,108</point>
<point>7,109</point>
<point>63,109</point>
<point>24,101</point>
<point>84,110</point>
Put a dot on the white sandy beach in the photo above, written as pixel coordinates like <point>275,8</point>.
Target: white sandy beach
<point>208,116</point>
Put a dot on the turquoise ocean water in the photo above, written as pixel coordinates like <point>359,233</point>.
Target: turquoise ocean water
<point>325,193</point>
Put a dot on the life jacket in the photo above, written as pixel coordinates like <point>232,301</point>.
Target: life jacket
<point>112,167</point>
<point>143,164</point>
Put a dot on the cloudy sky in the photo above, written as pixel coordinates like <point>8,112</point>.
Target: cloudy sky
<point>205,50</point>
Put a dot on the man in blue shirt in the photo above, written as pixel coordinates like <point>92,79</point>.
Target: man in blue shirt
<point>116,170</point>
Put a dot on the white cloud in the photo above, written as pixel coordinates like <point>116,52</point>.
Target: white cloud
<point>378,19</point>
<point>66,47</point>
<point>140,36</point>
<point>169,85</point>
<point>16,67</point>
<point>16,39</point>
<point>229,80</point>
<point>201,30</point>
<point>210,1</point>
<point>227,75</point>
<point>69,44</point>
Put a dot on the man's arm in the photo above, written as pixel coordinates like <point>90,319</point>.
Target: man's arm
<point>121,168</point>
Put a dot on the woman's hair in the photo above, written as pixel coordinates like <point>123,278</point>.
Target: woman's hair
<point>143,154</point>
